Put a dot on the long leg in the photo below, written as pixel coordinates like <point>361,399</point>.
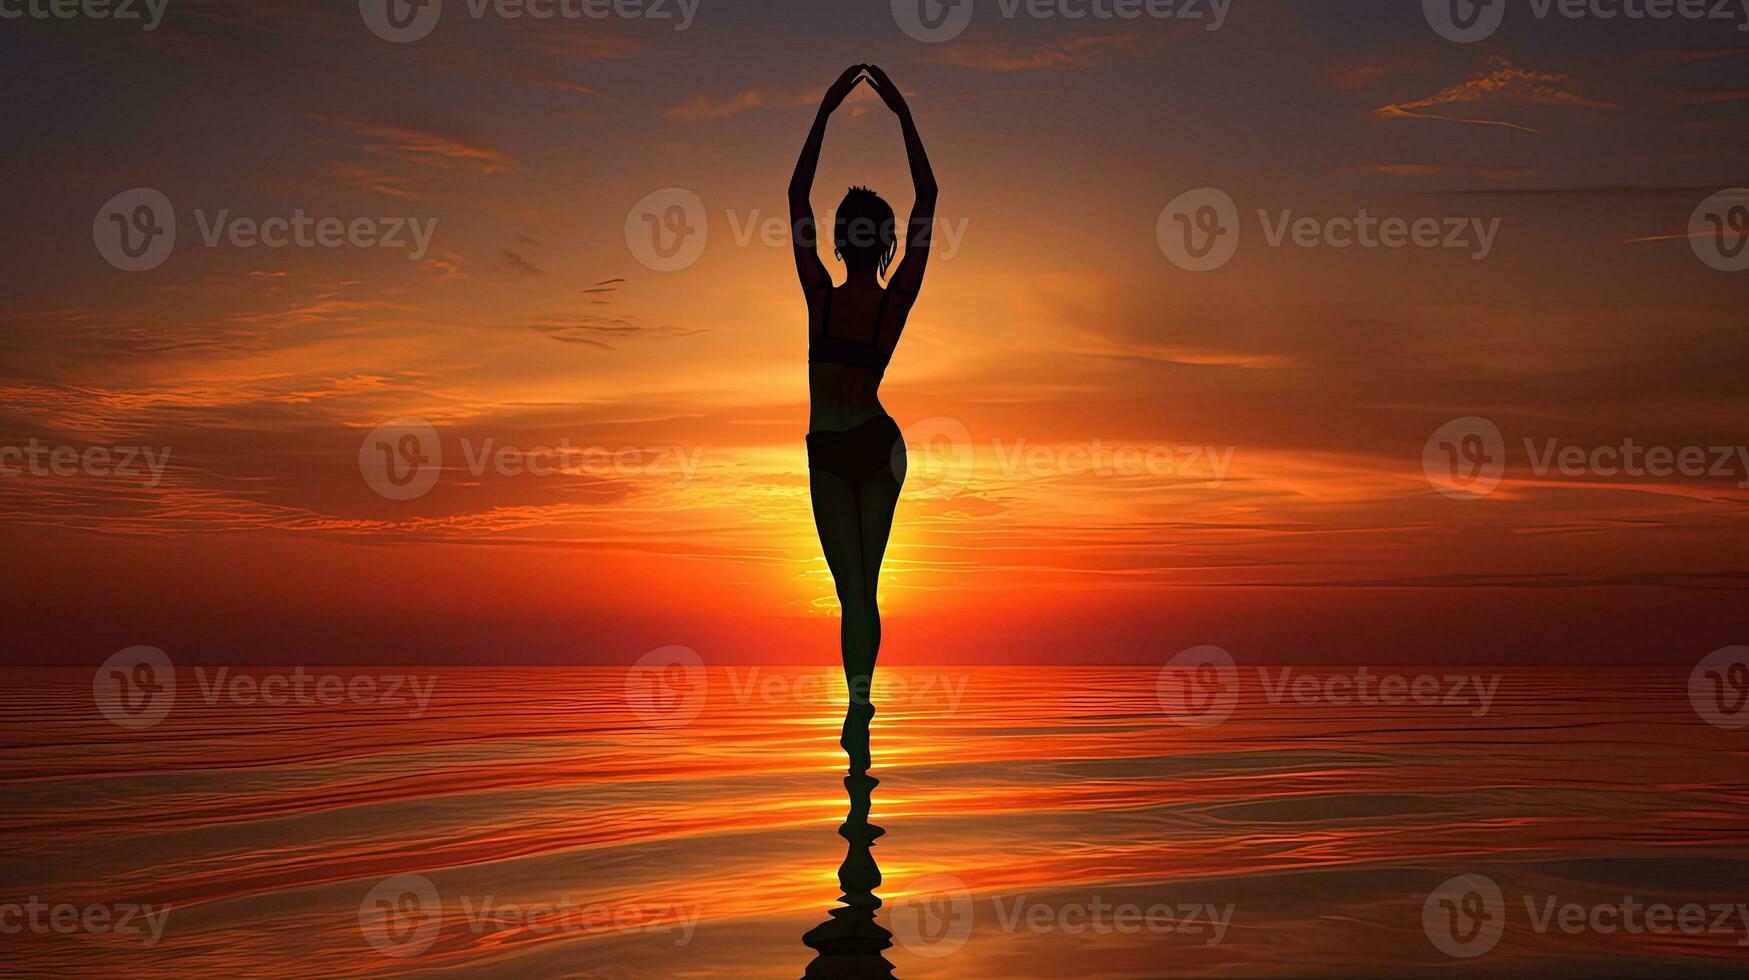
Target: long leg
<point>877,499</point>
<point>838,519</point>
<point>876,502</point>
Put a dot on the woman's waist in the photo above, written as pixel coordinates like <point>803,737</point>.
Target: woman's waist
<point>825,416</point>
<point>877,433</point>
<point>841,397</point>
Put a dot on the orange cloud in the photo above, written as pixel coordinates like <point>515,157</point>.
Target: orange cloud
<point>703,107</point>
<point>425,148</point>
<point>1501,81</point>
<point>1361,77</point>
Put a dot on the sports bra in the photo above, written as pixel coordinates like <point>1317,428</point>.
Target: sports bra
<point>824,348</point>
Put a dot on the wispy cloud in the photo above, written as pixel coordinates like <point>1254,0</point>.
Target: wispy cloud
<point>519,265</point>
<point>574,88</point>
<point>1360,77</point>
<point>1180,354</point>
<point>1709,96</point>
<point>447,265</point>
<point>1499,82</point>
<point>602,331</point>
<point>595,44</point>
<point>702,107</point>
<point>402,161</point>
<point>1070,53</point>
<point>422,147</point>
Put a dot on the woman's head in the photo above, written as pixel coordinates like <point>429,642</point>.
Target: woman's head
<point>863,231</point>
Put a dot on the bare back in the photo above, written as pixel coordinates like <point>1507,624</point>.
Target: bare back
<point>843,396</point>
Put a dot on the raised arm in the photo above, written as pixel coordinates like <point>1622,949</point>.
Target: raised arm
<point>908,277</point>
<point>804,230</point>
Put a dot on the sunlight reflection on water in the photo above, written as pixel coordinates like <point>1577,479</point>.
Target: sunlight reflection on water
<point>562,835</point>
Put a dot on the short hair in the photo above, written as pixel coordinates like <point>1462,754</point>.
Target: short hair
<point>863,230</point>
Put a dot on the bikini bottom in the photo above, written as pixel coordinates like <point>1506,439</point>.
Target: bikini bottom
<point>873,451</point>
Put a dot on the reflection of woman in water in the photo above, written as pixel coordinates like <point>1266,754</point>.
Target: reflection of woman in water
<point>856,460</point>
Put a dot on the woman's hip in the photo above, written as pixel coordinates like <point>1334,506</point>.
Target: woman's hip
<point>873,449</point>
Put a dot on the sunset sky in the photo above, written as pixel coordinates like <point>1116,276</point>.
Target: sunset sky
<point>1051,323</point>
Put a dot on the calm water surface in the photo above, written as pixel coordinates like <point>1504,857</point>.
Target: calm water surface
<point>1039,823</point>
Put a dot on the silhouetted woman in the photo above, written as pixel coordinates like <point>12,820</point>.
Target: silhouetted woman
<point>856,461</point>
